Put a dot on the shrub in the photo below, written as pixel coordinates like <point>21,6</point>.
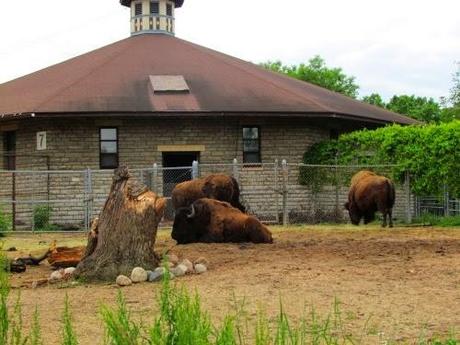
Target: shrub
<point>5,223</point>
<point>42,215</point>
<point>429,153</point>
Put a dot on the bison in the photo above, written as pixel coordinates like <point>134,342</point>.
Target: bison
<point>212,221</point>
<point>217,186</point>
<point>368,194</point>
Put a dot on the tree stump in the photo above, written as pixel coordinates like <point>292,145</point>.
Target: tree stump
<point>125,233</point>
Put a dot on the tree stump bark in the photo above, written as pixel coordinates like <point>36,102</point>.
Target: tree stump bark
<point>125,233</point>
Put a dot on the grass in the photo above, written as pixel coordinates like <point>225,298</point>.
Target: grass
<point>445,222</point>
<point>182,321</point>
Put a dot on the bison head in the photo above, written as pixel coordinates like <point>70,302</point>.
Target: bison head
<point>190,223</point>
<point>355,215</point>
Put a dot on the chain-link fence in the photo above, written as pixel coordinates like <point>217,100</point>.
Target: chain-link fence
<point>277,193</point>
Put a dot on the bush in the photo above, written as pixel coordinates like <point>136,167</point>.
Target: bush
<point>42,215</point>
<point>429,153</point>
<point>5,223</point>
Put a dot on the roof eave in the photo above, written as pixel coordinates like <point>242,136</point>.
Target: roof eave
<point>342,116</point>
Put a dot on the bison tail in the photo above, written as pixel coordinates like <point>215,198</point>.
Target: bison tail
<point>236,196</point>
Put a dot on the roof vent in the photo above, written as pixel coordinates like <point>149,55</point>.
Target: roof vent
<point>169,83</point>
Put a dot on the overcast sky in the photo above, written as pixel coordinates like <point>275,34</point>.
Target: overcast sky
<point>391,46</point>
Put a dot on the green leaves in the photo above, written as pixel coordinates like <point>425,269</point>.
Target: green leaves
<point>316,72</point>
<point>429,153</point>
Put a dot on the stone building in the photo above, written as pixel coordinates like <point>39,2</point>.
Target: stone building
<point>153,97</point>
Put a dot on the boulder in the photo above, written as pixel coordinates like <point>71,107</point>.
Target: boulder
<point>155,276</point>
<point>187,263</point>
<point>138,275</point>
<point>200,268</point>
<point>201,260</point>
<point>69,271</point>
<point>172,258</point>
<point>123,281</point>
<point>179,270</point>
<point>56,276</point>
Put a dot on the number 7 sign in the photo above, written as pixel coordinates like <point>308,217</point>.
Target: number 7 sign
<point>41,141</point>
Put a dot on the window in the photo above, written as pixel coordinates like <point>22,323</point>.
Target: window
<point>138,9</point>
<point>9,145</point>
<point>169,9</point>
<point>251,145</point>
<point>154,7</point>
<point>108,148</point>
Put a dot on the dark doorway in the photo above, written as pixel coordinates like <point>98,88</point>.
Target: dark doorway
<point>9,145</point>
<point>178,169</point>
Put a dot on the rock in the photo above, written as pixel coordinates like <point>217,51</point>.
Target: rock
<point>12,249</point>
<point>187,263</point>
<point>172,258</point>
<point>123,281</point>
<point>69,271</point>
<point>179,270</point>
<point>160,269</point>
<point>201,260</point>
<point>138,275</point>
<point>155,276</point>
<point>56,276</point>
<point>200,268</point>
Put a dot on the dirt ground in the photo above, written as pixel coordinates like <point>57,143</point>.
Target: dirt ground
<point>394,284</point>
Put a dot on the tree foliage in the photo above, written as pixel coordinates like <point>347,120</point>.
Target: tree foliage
<point>420,108</point>
<point>429,153</point>
<point>374,99</point>
<point>316,72</point>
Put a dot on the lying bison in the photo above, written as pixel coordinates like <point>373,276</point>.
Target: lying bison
<point>368,194</point>
<point>218,186</point>
<point>207,220</point>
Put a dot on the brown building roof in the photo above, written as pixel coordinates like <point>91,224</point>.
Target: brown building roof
<point>116,79</point>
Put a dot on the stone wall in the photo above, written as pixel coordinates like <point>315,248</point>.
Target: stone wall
<point>73,145</point>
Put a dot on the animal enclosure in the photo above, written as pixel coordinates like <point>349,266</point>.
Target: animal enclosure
<point>277,193</point>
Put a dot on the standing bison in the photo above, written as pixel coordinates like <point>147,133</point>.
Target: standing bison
<point>212,221</point>
<point>218,186</point>
<point>368,194</point>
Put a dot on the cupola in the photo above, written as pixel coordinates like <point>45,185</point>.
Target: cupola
<point>152,16</point>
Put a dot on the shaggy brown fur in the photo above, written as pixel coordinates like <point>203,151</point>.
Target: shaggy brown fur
<point>208,220</point>
<point>217,186</point>
<point>368,194</point>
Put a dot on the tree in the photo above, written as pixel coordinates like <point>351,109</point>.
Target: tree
<point>374,99</point>
<point>451,104</point>
<point>316,72</point>
<point>455,90</point>
<point>125,232</point>
<point>420,108</point>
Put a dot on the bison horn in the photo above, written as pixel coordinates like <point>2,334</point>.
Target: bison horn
<point>192,214</point>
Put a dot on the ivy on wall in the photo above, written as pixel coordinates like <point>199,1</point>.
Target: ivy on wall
<point>430,153</point>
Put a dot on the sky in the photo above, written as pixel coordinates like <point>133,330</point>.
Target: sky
<point>391,47</point>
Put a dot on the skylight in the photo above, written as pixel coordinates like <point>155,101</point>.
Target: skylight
<point>169,83</point>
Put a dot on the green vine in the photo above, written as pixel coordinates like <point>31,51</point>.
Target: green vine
<point>430,153</point>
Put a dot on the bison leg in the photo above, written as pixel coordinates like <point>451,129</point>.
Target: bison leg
<point>369,217</point>
<point>390,211</point>
<point>258,233</point>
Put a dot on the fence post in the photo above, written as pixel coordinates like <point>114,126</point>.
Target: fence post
<point>88,198</point>
<point>408,197</point>
<point>446,201</point>
<point>195,170</point>
<point>155,178</point>
<point>235,170</point>
<point>277,198</point>
<point>285,193</point>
